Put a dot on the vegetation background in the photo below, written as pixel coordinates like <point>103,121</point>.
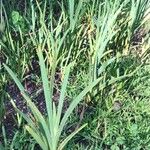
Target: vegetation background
<point>74,74</point>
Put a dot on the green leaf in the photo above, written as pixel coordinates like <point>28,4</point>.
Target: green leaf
<point>120,140</point>
<point>37,114</point>
<point>15,17</point>
<point>114,147</point>
<point>1,147</point>
<point>63,144</point>
<point>36,136</point>
<point>75,102</point>
<point>2,24</point>
<point>18,21</point>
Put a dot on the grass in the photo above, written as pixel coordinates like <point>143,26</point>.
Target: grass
<point>90,60</point>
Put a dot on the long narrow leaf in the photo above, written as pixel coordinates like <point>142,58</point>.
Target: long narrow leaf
<point>63,144</point>
<point>76,102</point>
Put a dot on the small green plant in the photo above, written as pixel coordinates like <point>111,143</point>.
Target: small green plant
<point>18,21</point>
<point>47,131</point>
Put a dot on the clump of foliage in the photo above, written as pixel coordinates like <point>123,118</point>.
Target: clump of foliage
<point>103,82</point>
